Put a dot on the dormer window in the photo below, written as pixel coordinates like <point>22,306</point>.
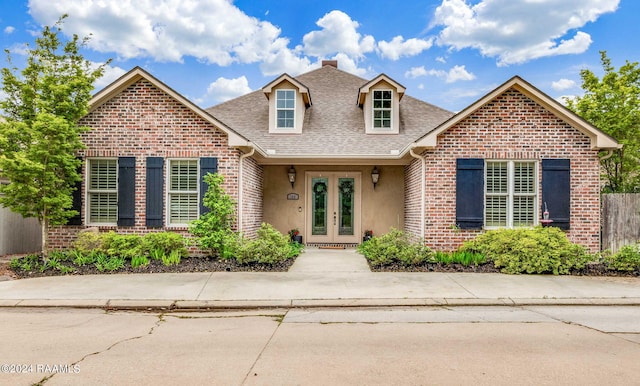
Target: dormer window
<point>379,100</point>
<point>286,109</point>
<point>382,108</point>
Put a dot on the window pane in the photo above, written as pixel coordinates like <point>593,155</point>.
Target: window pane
<point>497,177</point>
<point>496,211</point>
<point>183,207</point>
<point>184,175</point>
<point>523,210</point>
<point>524,177</point>
<point>103,207</point>
<point>103,174</point>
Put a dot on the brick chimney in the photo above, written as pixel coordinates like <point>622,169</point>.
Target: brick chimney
<point>332,63</point>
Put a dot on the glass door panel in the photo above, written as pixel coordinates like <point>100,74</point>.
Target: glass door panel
<point>319,203</point>
<point>346,206</point>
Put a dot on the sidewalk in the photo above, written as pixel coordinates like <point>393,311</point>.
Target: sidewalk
<point>319,278</point>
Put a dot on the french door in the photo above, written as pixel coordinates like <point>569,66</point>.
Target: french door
<point>333,207</point>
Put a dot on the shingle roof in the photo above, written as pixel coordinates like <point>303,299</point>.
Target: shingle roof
<point>333,125</point>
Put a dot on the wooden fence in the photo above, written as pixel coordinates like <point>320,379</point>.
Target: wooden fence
<point>17,234</point>
<point>620,220</point>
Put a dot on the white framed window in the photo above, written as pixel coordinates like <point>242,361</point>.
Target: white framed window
<point>285,109</point>
<point>382,109</point>
<point>511,193</point>
<point>182,191</point>
<point>102,191</point>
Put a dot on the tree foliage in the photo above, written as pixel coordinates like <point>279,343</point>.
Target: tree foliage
<point>39,131</point>
<point>612,103</point>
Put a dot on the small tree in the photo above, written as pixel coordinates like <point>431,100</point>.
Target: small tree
<point>613,105</point>
<point>213,229</point>
<point>39,132</point>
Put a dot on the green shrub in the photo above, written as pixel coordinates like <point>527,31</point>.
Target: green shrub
<point>81,259</point>
<point>87,242</point>
<point>157,254</point>
<point>27,263</point>
<point>627,259</point>
<point>212,228</point>
<point>125,246</point>
<point>165,242</point>
<point>270,247</point>
<point>529,250</point>
<point>395,246</point>
<point>465,258</point>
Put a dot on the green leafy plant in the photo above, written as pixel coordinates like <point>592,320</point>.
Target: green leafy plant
<point>465,258</point>
<point>125,246</point>
<point>157,254</point>
<point>173,258</point>
<point>212,228</point>
<point>81,259</point>
<point>87,242</point>
<point>108,263</point>
<point>166,242</point>
<point>270,247</point>
<point>529,250</point>
<point>626,259</point>
<point>26,264</point>
<point>395,246</point>
<point>139,261</point>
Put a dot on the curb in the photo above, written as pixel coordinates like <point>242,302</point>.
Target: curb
<point>225,305</point>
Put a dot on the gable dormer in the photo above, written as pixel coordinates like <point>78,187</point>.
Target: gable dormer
<point>380,103</point>
<point>288,100</point>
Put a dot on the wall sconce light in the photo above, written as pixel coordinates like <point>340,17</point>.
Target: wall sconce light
<point>292,175</point>
<point>375,175</point>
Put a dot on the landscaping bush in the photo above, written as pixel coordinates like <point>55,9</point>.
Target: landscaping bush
<point>164,242</point>
<point>465,258</point>
<point>125,246</point>
<point>394,247</point>
<point>529,250</point>
<point>212,229</point>
<point>87,242</point>
<point>627,259</point>
<point>270,247</point>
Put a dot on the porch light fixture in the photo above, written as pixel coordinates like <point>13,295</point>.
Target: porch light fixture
<point>292,175</point>
<point>375,175</point>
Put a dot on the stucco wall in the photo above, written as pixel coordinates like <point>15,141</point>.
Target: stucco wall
<point>382,208</point>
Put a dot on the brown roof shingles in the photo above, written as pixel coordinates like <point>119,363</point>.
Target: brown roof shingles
<point>333,125</point>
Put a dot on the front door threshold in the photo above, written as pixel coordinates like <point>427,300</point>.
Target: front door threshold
<point>332,245</point>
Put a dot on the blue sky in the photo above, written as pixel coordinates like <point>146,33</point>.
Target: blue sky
<point>445,52</point>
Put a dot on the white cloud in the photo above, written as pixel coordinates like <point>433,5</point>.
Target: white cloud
<point>399,47</point>
<point>9,30</point>
<point>517,32</point>
<point>224,89</point>
<point>213,31</point>
<point>111,74</point>
<point>338,35</point>
<point>441,59</point>
<point>454,74</point>
<point>563,84</point>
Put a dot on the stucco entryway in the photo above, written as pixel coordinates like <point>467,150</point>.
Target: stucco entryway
<point>330,260</point>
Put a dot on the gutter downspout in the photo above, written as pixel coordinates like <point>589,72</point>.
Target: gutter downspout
<point>423,192</point>
<point>241,186</point>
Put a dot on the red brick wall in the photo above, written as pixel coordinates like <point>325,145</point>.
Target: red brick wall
<point>143,121</point>
<point>252,175</point>
<point>511,127</point>
<point>412,197</point>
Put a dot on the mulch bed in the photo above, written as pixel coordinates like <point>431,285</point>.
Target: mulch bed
<point>590,270</point>
<point>191,264</point>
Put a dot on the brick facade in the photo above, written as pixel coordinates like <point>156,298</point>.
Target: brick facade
<point>511,127</point>
<point>253,176</point>
<point>143,121</point>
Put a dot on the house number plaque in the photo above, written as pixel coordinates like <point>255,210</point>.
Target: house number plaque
<point>293,196</point>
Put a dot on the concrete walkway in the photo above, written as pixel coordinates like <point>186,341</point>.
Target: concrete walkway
<point>318,278</point>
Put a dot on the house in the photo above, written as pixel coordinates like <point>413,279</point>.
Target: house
<point>334,155</point>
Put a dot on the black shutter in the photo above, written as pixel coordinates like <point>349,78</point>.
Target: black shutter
<point>470,193</point>
<point>155,196</point>
<point>76,205</point>
<point>126,191</point>
<point>207,165</point>
<point>556,191</point>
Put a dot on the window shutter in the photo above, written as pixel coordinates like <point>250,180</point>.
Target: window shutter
<point>470,193</point>
<point>155,196</point>
<point>207,165</point>
<point>556,191</point>
<point>76,196</point>
<point>126,191</point>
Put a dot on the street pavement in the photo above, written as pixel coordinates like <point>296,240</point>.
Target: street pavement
<point>318,278</point>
